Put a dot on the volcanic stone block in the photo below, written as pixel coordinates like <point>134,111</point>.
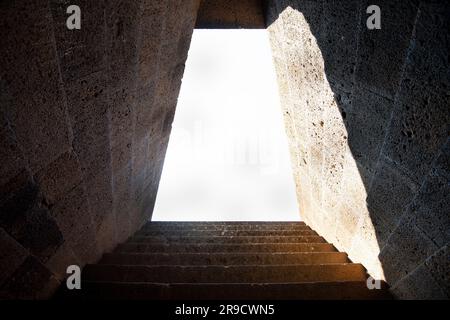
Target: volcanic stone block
<point>99,193</point>
<point>390,193</point>
<point>428,67</point>
<point>59,262</point>
<point>340,41</point>
<point>122,200</point>
<point>34,94</point>
<point>72,214</point>
<point>38,232</point>
<point>11,155</point>
<point>54,180</point>
<point>31,281</point>
<point>87,97</point>
<point>122,22</point>
<point>226,14</point>
<point>347,219</point>
<point>429,210</point>
<point>367,123</point>
<point>442,163</point>
<point>405,250</point>
<point>143,112</point>
<point>12,254</point>
<point>25,218</point>
<point>92,144</point>
<point>439,265</point>
<point>380,63</point>
<point>419,284</point>
<point>80,52</point>
<point>416,134</point>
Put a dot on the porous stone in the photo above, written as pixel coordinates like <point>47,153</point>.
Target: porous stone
<point>12,254</point>
<point>405,250</point>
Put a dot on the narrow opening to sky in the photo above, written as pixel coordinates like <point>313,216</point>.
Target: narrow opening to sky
<point>227,158</point>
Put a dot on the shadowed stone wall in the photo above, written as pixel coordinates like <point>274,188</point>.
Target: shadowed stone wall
<point>86,114</point>
<point>230,14</point>
<point>367,114</point>
<point>85,120</point>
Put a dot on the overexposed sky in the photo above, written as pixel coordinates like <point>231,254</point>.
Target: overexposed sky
<point>228,157</point>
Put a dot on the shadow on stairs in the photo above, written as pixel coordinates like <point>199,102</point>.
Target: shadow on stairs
<point>225,260</point>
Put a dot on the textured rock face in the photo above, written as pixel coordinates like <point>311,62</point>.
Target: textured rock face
<point>367,114</point>
<point>84,124</point>
<point>225,260</point>
<point>85,120</point>
<point>225,14</point>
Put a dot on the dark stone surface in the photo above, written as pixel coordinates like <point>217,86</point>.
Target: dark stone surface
<point>381,53</point>
<point>225,14</point>
<point>30,281</point>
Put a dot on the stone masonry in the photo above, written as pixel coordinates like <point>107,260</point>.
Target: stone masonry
<point>367,115</point>
<point>86,116</point>
<point>85,121</point>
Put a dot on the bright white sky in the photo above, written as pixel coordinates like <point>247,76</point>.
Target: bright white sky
<point>227,157</point>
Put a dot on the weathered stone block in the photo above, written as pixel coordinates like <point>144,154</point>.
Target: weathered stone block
<point>59,262</point>
<point>380,63</point>
<point>87,97</point>
<point>12,255</point>
<point>92,144</point>
<point>11,155</point>
<point>439,266</point>
<point>406,249</point>
<point>419,284</point>
<point>80,52</point>
<point>428,66</point>
<point>367,123</point>
<point>31,281</point>
<point>59,177</point>
<point>72,214</point>
<point>390,193</point>
<point>246,14</point>
<point>416,135</point>
<point>340,41</point>
<point>429,210</point>
<point>442,163</point>
<point>99,193</point>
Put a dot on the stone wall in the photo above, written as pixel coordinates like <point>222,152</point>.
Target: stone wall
<point>367,115</point>
<point>230,14</point>
<point>84,123</point>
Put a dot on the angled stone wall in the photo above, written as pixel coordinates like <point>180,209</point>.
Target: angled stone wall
<point>367,114</point>
<point>85,120</point>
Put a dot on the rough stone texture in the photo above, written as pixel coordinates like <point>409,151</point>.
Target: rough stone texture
<point>225,14</point>
<point>290,264</point>
<point>83,114</point>
<point>366,113</point>
<point>86,115</point>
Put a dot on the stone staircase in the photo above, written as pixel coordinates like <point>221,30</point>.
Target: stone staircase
<point>226,260</point>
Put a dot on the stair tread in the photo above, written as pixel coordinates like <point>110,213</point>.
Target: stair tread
<point>208,247</point>
<point>224,258</point>
<point>245,291</point>
<point>227,239</point>
<point>221,232</point>
<point>235,273</point>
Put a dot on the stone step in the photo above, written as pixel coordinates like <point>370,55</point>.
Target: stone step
<point>344,290</point>
<point>221,232</point>
<point>204,227</point>
<point>236,248</point>
<point>225,274</point>
<point>226,239</point>
<point>226,223</point>
<point>224,258</point>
